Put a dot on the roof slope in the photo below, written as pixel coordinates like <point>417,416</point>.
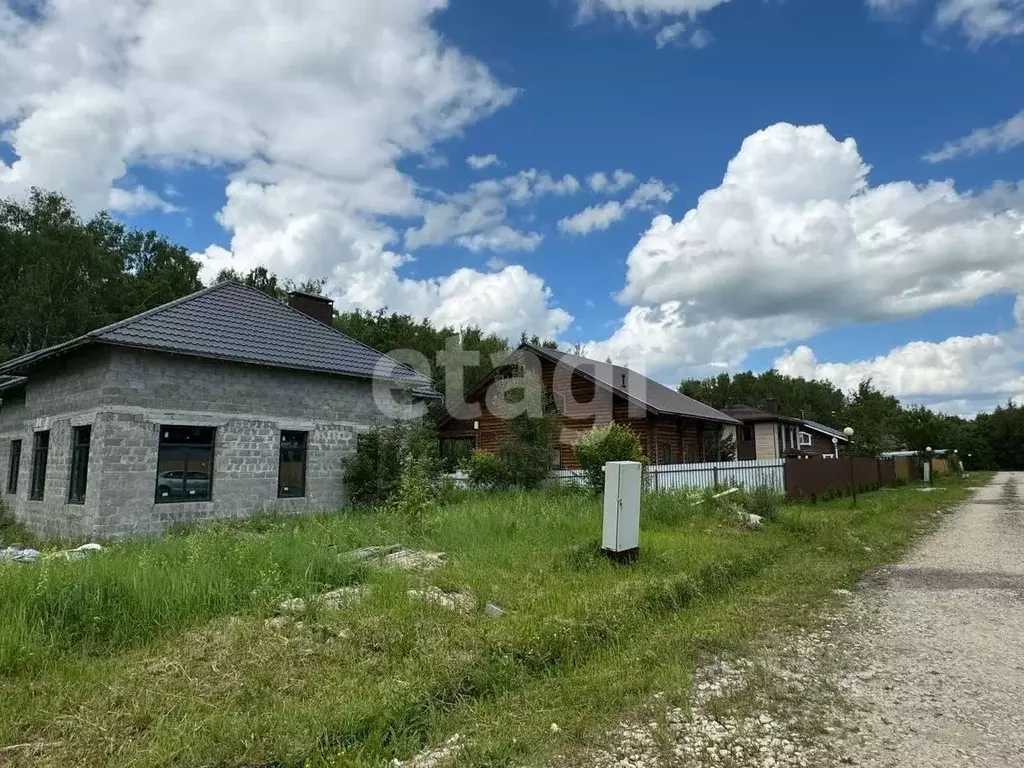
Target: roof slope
<point>647,392</point>
<point>818,427</point>
<point>229,321</point>
<point>750,414</point>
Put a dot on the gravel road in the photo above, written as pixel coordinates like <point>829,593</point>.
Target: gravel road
<point>938,672</point>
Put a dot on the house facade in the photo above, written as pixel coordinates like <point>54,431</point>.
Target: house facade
<point>219,405</point>
<point>764,434</point>
<point>588,393</point>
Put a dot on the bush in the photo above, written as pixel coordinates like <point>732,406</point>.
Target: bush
<point>763,501</point>
<point>419,490</point>
<point>383,454</point>
<point>603,444</point>
<point>525,455</point>
<point>484,470</point>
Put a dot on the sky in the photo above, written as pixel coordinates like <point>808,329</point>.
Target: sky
<point>834,188</point>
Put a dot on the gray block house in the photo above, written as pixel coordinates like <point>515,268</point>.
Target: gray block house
<point>217,405</point>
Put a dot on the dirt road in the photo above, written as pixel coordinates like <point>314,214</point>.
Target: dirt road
<point>938,670</point>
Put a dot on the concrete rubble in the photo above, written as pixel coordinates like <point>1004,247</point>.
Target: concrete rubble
<point>335,600</point>
<point>18,554</point>
<point>432,758</point>
<point>461,602</point>
<point>398,557</point>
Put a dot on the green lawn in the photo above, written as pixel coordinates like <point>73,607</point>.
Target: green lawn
<point>156,653</point>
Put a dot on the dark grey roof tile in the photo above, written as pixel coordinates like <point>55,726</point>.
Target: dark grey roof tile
<point>233,322</point>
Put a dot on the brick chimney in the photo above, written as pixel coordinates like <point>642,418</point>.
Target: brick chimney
<point>318,307</point>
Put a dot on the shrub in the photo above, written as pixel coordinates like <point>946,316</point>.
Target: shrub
<point>763,501</point>
<point>374,472</point>
<point>419,490</point>
<point>484,470</point>
<point>525,455</point>
<point>603,444</point>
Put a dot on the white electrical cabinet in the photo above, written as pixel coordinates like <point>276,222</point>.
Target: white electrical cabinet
<point>621,536</point>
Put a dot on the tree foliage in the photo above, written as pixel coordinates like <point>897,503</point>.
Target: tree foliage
<point>61,277</point>
<point>880,421</point>
<point>600,445</point>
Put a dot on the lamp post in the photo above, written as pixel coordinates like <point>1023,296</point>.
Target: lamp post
<point>835,447</point>
<point>956,461</point>
<point>931,469</point>
<point>853,483</point>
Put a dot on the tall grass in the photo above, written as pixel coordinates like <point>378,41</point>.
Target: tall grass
<point>135,592</point>
<point>180,664</point>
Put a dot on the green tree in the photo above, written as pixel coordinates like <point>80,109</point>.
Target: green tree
<point>61,277</point>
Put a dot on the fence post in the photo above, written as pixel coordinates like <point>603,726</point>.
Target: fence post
<point>714,471</point>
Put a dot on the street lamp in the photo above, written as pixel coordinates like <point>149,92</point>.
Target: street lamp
<point>931,472</point>
<point>853,483</point>
<point>956,461</point>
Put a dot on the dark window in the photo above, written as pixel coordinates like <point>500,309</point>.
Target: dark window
<point>746,434</point>
<point>455,451</point>
<point>15,467</point>
<point>184,468</point>
<point>79,464</point>
<point>291,473</point>
<point>666,453</point>
<point>40,454</point>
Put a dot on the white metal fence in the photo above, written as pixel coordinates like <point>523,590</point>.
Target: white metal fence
<point>667,477</point>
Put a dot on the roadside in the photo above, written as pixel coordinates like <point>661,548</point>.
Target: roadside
<point>922,666</point>
<point>173,652</point>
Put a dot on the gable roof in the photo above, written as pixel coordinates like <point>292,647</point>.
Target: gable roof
<point>818,427</point>
<point>640,389</point>
<point>234,322</point>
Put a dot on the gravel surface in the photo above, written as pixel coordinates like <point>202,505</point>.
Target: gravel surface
<point>936,659</point>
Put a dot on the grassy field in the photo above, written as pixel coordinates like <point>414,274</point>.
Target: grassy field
<point>156,653</point>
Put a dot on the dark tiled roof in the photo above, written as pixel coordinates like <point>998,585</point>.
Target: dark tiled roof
<point>647,392</point>
<point>749,414</point>
<point>233,322</point>
<point>818,427</point>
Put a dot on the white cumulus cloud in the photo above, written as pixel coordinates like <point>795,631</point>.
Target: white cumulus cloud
<point>997,138</point>
<point>307,107</point>
<point>602,216</point>
<point>479,162</point>
<point>600,182</point>
<point>962,373</point>
<point>593,218</point>
<point>796,240</point>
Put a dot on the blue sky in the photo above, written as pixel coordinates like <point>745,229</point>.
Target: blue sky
<point>325,141</point>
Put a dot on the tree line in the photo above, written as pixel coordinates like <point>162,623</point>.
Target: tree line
<point>61,276</point>
<point>879,420</point>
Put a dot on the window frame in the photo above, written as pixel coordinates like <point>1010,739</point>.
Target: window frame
<point>14,467</point>
<point>800,439</point>
<point>281,494</point>
<point>166,443</point>
<point>37,483</point>
<point>78,471</point>
<point>746,429</point>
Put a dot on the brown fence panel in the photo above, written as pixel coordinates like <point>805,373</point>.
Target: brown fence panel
<point>818,477</point>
